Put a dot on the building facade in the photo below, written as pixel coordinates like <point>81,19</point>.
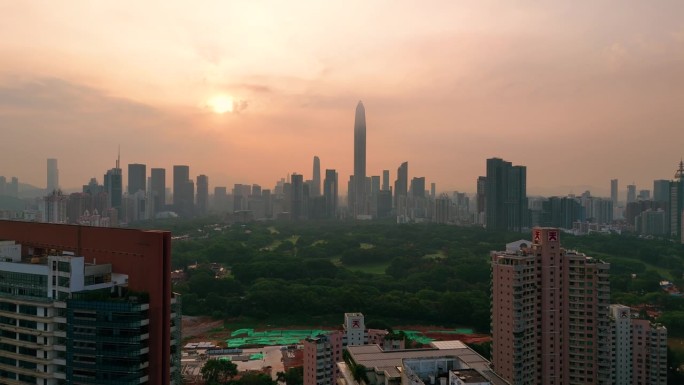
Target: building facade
<point>323,352</point>
<point>86,305</point>
<point>550,321</point>
<point>506,196</point>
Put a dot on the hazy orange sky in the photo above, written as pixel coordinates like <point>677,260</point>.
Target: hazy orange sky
<point>579,92</point>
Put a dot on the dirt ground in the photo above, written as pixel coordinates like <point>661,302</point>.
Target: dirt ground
<point>197,328</point>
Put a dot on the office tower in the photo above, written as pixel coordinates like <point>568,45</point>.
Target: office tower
<point>661,190</point>
<point>614,192</point>
<point>330,193</point>
<point>256,190</point>
<point>316,178</point>
<point>268,202</point>
<point>401,184</point>
<point>297,197</point>
<point>158,188</point>
<point>113,185</point>
<point>137,178</point>
<point>631,193</point>
<point>480,199</point>
<point>220,198</point>
<point>561,212</point>
<point>506,196</point>
<point>202,194</point>
<point>374,185</point>
<point>433,190</point>
<point>644,195</point>
<point>183,191</point>
<point>385,180</point>
<point>52,175</point>
<point>418,187</point>
<point>3,185</point>
<point>181,174</point>
<point>639,349</point>
<point>676,203</point>
<point>550,317</point>
<point>359,183</point>
<point>93,307</point>
<point>442,206</point>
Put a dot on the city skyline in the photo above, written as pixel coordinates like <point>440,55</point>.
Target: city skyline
<point>560,88</point>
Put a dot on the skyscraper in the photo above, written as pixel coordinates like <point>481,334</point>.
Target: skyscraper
<point>614,192</point>
<point>113,185</point>
<point>183,191</point>
<point>158,186</point>
<point>385,180</point>
<point>661,190</point>
<point>506,199</point>
<point>359,184</point>
<point>297,198</point>
<point>550,317</point>
<point>481,196</point>
<point>631,193</point>
<point>330,193</point>
<point>52,175</point>
<point>316,179</point>
<point>202,194</point>
<point>401,184</point>
<point>137,178</point>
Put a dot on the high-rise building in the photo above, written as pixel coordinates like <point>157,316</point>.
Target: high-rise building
<point>631,193</point>
<point>323,352</point>
<point>639,349</point>
<point>550,318</point>
<point>330,191</point>
<point>506,196</point>
<point>55,207</point>
<point>614,192</point>
<point>52,175</point>
<point>137,178</point>
<point>297,198</point>
<point>113,185</point>
<point>385,180</point>
<point>316,178</point>
<point>359,198</point>
<point>183,191</point>
<point>202,194</point>
<point>644,195</point>
<point>401,184</point>
<point>480,199</point>
<point>676,203</point>
<point>93,307</point>
<point>158,187</point>
<point>661,190</point>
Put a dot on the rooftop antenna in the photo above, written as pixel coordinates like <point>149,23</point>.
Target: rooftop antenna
<point>118,158</point>
<point>680,172</point>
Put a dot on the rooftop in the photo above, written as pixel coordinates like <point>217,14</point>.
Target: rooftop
<point>469,376</point>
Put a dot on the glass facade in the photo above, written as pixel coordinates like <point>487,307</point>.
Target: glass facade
<point>107,342</point>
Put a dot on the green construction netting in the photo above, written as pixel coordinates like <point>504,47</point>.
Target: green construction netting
<point>455,331</point>
<point>270,337</point>
<point>256,356</point>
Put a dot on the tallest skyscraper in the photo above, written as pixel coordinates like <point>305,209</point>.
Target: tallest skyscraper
<point>359,183</point>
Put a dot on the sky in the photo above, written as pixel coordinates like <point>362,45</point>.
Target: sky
<point>579,92</point>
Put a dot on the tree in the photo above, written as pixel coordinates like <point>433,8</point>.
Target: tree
<point>254,378</point>
<point>218,371</point>
<point>293,376</point>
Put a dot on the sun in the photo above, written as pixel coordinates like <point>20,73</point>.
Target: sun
<point>221,104</point>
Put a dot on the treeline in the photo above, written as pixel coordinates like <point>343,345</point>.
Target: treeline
<point>433,274</point>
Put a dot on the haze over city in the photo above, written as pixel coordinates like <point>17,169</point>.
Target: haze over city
<point>248,92</point>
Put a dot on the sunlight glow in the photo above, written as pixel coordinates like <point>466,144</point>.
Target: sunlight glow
<point>221,104</point>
